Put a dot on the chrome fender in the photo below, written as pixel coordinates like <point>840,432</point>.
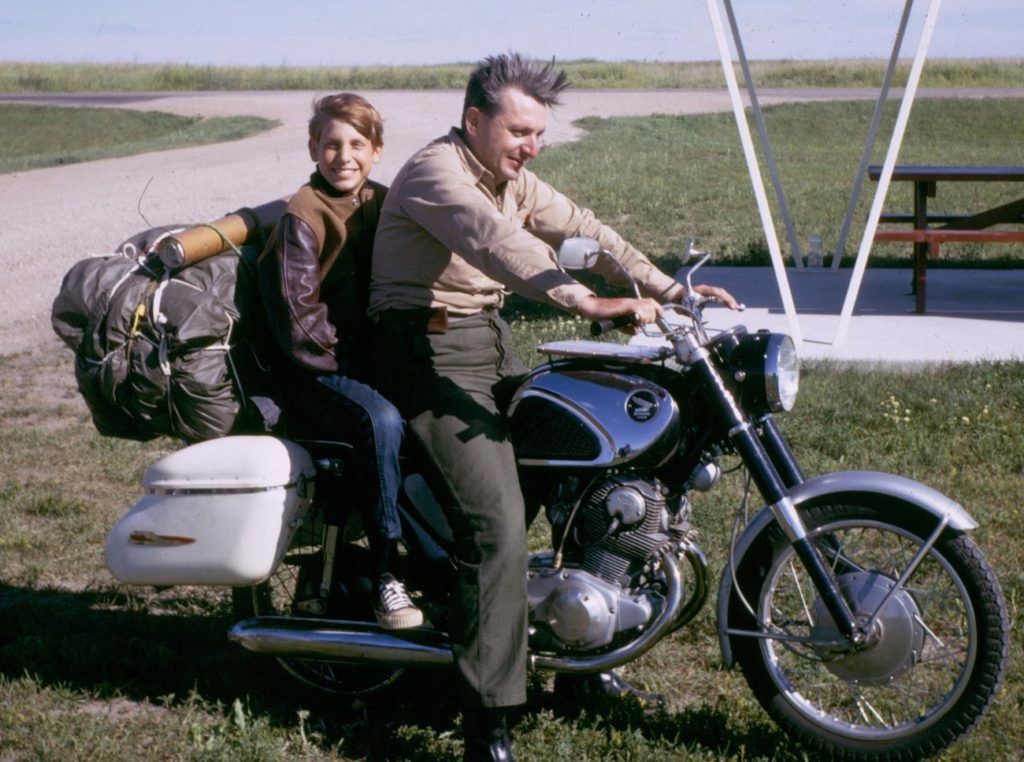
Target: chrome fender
<point>872,482</point>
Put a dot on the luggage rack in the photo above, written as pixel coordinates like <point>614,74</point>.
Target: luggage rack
<point>605,350</point>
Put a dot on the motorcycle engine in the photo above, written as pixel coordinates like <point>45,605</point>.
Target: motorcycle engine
<point>601,590</point>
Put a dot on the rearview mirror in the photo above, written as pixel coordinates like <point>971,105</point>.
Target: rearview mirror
<point>578,253</point>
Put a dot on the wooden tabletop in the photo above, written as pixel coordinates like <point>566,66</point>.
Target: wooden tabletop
<point>928,173</point>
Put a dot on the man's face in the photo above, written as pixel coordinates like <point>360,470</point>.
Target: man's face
<point>505,141</point>
<point>344,155</point>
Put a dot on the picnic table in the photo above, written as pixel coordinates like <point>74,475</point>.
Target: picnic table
<point>965,226</point>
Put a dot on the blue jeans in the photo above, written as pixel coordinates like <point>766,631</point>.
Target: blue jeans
<point>339,408</point>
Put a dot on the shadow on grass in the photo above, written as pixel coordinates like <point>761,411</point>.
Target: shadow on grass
<point>701,729</point>
<point>95,643</point>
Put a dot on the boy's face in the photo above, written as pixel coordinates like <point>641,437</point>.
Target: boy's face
<point>343,155</point>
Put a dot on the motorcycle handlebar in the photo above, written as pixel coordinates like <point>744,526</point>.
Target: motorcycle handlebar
<point>598,327</point>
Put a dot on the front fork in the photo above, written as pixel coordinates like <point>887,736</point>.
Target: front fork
<point>779,453</point>
<point>774,471</point>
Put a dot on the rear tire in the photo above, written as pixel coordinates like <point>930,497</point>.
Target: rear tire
<point>293,590</point>
<point>940,646</point>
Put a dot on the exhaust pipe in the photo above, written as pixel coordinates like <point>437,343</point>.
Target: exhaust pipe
<point>340,640</point>
<point>362,642</point>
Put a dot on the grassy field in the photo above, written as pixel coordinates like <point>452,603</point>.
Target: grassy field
<point>16,77</point>
<point>34,136</point>
<point>93,669</point>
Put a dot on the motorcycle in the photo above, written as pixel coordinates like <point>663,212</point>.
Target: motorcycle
<point>866,621</point>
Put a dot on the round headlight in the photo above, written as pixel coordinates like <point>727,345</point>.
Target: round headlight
<point>781,372</point>
<point>767,368</point>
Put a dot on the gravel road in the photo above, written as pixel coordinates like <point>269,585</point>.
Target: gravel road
<point>53,217</point>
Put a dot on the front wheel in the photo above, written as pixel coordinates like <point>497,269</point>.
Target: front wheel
<point>937,640</point>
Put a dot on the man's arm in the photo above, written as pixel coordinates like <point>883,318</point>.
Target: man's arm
<point>555,217</point>
<point>448,205</point>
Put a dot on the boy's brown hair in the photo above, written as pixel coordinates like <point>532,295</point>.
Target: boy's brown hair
<point>351,108</point>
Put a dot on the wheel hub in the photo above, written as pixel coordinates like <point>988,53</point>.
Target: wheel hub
<point>895,642</point>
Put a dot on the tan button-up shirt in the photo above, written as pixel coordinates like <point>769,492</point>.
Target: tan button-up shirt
<point>449,236</point>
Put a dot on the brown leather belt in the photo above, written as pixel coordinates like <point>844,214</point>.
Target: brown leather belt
<point>429,319</point>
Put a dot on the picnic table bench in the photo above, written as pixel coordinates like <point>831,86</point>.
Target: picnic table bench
<point>960,227</point>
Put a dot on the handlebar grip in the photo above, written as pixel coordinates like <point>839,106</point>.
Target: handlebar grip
<point>597,327</point>
<point>715,300</point>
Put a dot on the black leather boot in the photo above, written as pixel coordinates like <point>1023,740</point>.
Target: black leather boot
<point>485,731</point>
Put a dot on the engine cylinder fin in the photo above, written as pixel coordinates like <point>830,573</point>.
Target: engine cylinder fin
<point>612,551</point>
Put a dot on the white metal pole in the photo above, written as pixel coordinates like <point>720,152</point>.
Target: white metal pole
<point>876,117</point>
<point>887,168</point>
<point>766,146</point>
<point>755,175</point>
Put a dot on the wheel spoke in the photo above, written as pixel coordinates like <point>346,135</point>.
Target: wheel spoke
<point>800,591</point>
<point>908,571</point>
<point>867,711</point>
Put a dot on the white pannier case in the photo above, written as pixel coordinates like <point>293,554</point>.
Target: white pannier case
<point>220,512</point>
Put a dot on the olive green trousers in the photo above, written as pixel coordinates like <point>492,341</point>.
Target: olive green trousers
<point>448,386</point>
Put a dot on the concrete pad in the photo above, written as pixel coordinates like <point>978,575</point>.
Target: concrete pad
<point>971,314</point>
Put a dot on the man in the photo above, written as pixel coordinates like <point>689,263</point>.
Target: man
<point>464,224</point>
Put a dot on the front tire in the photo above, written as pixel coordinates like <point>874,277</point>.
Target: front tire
<point>936,654</point>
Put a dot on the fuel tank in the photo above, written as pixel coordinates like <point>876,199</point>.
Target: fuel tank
<point>592,418</point>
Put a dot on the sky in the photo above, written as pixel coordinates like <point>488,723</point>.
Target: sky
<point>399,32</point>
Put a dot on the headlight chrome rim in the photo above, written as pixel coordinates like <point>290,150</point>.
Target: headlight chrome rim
<point>781,372</point>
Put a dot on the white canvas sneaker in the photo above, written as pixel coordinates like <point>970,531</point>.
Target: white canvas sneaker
<point>393,607</point>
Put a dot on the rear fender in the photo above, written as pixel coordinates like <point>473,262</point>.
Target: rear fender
<point>843,482</point>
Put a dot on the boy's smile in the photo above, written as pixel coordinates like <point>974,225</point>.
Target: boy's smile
<point>344,155</point>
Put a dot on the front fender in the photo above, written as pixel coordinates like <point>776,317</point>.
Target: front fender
<point>871,482</point>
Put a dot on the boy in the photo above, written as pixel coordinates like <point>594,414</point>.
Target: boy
<point>314,285</point>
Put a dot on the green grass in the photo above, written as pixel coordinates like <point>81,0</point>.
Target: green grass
<point>45,136</point>
<point>659,180</point>
<point>20,77</point>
